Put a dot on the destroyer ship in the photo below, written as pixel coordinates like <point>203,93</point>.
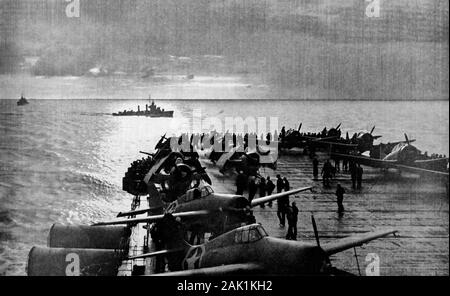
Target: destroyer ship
<point>150,110</point>
<point>22,101</point>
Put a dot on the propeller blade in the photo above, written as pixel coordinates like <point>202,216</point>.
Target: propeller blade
<point>300,126</point>
<point>147,153</point>
<point>406,138</point>
<point>339,125</point>
<point>316,233</point>
<point>372,129</point>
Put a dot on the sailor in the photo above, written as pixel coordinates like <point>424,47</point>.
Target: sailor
<point>326,173</point>
<point>285,199</point>
<point>252,188</point>
<point>340,198</point>
<point>262,189</point>
<point>283,133</point>
<point>280,184</point>
<point>345,165</point>
<point>315,168</point>
<point>286,184</point>
<point>241,183</point>
<point>280,211</point>
<point>268,138</point>
<point>158,242</point>
<point>359,173</point>
<point>292,218</point>
<point>270,187</point>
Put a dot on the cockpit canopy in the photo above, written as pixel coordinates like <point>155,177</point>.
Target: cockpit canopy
<point>198,192</point>
<point>249,234</point>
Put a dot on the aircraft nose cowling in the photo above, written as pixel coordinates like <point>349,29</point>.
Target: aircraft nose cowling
<point>312,261</point>
<point>239,202</point>
<point>294,258</point>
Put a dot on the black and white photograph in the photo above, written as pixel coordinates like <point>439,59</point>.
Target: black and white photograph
<point>221,138</point>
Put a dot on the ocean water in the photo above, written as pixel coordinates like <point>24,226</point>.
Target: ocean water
<point>62,160</point>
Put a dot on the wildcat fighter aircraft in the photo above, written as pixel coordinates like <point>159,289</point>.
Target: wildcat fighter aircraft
<point>250,250</point>
<point>404,157</point>
<point>202,209</point>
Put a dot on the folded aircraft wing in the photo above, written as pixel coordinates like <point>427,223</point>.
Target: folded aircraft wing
<point>346,145</point>
<point>261,200</point>
<point>421,170</point>
<point>155,254</point>
<point>379,163</point>
<point>231,269</point>
<point>354,241</point>
<point>364,160</point>
<point>150,219</point>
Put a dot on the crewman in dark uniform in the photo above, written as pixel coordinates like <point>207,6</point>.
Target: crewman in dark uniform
<point>283,133</point>
<point>270,188</point>
<point>241,183</point>
<point>340,198</point>
<point>280,184</point>
<point>262,189</point>
<point>327,171</point>
<point>158,242</point>
<point>281,211</point>
<point>252,188</point>
<point>315,168</point>
<point>292,217</point>
<point>359,173</point>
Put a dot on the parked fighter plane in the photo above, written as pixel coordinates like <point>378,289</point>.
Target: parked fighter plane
<point>403,156</point>
<point>364,140</point>
<point>242,153</point>
<point>361,142</point>
<point>294,138</point>
<point>206,211</point>
<point>249,250</point>
<point>173,172</point>
<point>248,162</point>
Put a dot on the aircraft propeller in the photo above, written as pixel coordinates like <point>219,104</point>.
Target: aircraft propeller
<point>371,131</point>
<point>147,153</point>
<point>329,269</point>
<point>316,233</point>
<point>406,138</point>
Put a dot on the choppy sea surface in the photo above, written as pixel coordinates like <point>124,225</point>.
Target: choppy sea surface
<point>62,160</point>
